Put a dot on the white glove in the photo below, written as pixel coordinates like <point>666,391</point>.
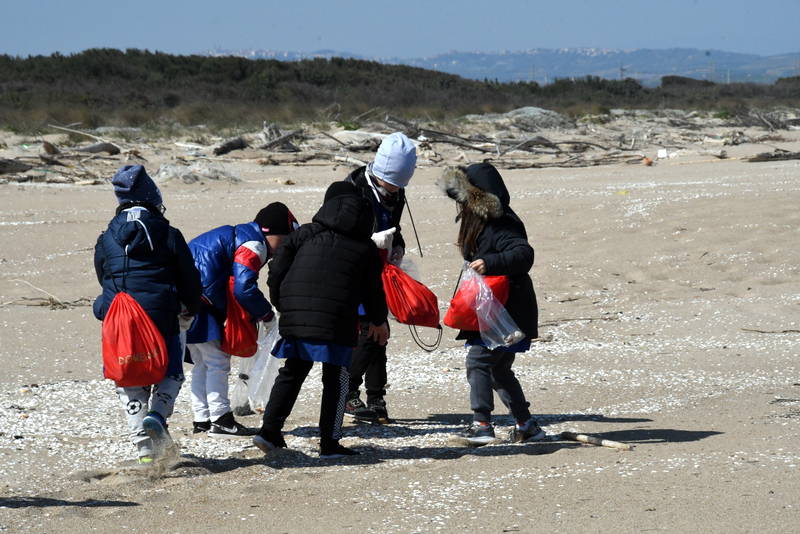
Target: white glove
<point>396,257</point>
<point>384,239</point>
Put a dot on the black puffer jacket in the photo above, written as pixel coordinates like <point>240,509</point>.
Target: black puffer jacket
<point>323,270</point>
<point>503,243</point>
<point>394,208</point>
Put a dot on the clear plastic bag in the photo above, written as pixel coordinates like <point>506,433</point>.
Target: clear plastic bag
<point>496,326</point>
<point>240,404</point>
<point>265,369</point>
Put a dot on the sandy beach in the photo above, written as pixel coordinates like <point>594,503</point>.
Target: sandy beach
<point>669,303</point>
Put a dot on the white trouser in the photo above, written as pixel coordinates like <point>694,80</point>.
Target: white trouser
<point>209,381</point>
<point>138,401</point>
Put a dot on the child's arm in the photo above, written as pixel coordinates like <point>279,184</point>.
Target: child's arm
<point>374,297</point>
<point>188,284</point>
<point>514,256</point>
<point>280,264</point>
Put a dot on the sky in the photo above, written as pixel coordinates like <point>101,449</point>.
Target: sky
<point>401,29</point>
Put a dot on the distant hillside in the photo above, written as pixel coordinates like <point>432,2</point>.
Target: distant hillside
<point>111,87</point>
<point>545,65</point>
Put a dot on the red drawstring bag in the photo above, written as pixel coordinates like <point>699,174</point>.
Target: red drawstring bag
<point>461,313</point>
<point>134,351</point>
<point>409,301</point>
<point>240,337</point>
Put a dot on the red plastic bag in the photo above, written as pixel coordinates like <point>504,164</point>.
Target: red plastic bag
<point>134,351</point>
<point>408,300</point>
<point>240,337</point>
<point>461,313</point>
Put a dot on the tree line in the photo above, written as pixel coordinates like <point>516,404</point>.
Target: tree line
<point>138,87</point>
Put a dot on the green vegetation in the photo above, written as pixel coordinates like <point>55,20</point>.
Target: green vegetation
<point>140,88</point>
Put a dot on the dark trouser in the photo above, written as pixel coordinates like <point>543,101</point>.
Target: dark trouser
<point>489,370</point>
<point>287,386</point>
<point>368,366</point>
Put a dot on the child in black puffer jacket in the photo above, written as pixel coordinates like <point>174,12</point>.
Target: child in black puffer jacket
<point>493,240</point>
<point>319,276</point>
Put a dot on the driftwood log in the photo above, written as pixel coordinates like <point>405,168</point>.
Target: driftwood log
<point>109,148</point>
<point>280,140</point>
<point>11,165</point>
<point>236,143</point>
<point>778,155</point>
<point>592,440</point>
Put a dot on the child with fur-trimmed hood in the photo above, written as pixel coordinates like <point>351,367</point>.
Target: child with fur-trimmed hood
<point>492,238</point>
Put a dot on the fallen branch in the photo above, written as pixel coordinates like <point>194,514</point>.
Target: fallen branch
<point>55,298</point>
<point>49,301</point>
<point>280,140</point>
<point>70,130</point>
<point>757,331</point>
<point>591,440</point>
<point>556,322</point>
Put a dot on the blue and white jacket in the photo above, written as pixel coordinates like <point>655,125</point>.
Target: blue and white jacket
<point>239,251</point>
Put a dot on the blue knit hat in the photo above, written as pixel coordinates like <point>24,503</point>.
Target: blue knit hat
<point>395,161</point>
<point>132,184</point>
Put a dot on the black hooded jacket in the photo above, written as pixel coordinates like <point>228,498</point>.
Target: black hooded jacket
<point>503,243</point>
<point>324,270</point>
<point>359,179</point>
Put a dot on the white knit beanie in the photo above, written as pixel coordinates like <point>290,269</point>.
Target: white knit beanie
<point>395,160</point>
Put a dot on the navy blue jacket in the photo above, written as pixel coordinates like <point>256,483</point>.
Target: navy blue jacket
<point>239,251</point>
<point>141,254</point>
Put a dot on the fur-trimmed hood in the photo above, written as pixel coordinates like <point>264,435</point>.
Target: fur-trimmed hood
<point>478,187</point>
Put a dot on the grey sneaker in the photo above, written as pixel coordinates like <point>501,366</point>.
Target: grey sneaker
<point>530,431</point>
<point>478,434</point>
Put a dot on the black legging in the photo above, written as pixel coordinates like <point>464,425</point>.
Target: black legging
<point>287,387</point>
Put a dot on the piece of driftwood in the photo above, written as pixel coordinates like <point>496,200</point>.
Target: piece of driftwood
<point>326,134</point>
<point>778,155</point>
<point>50,148</point>
<point>350,161</point>
<point>11,165</point>
<point>79,132</point>
<point>592,440</point>
<point>49,160</point>
<point>280,140</point>
<point>109,148</point>
<point>556,322</point>
<point>236,143</point>
<point>757,331</point>
<point>528,143</point>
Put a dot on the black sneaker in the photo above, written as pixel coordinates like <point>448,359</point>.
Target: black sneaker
<point>227,427</point>
<point>358,410</point>
<point>269,440</point>
<point>379,407</point>
<point>335,450</point>
<point>477,434</point>
<point>199,427</point>
<point>530,431</point>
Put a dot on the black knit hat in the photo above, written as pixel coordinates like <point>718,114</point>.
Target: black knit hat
<point>276,219</point>
<point>337,189</point>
